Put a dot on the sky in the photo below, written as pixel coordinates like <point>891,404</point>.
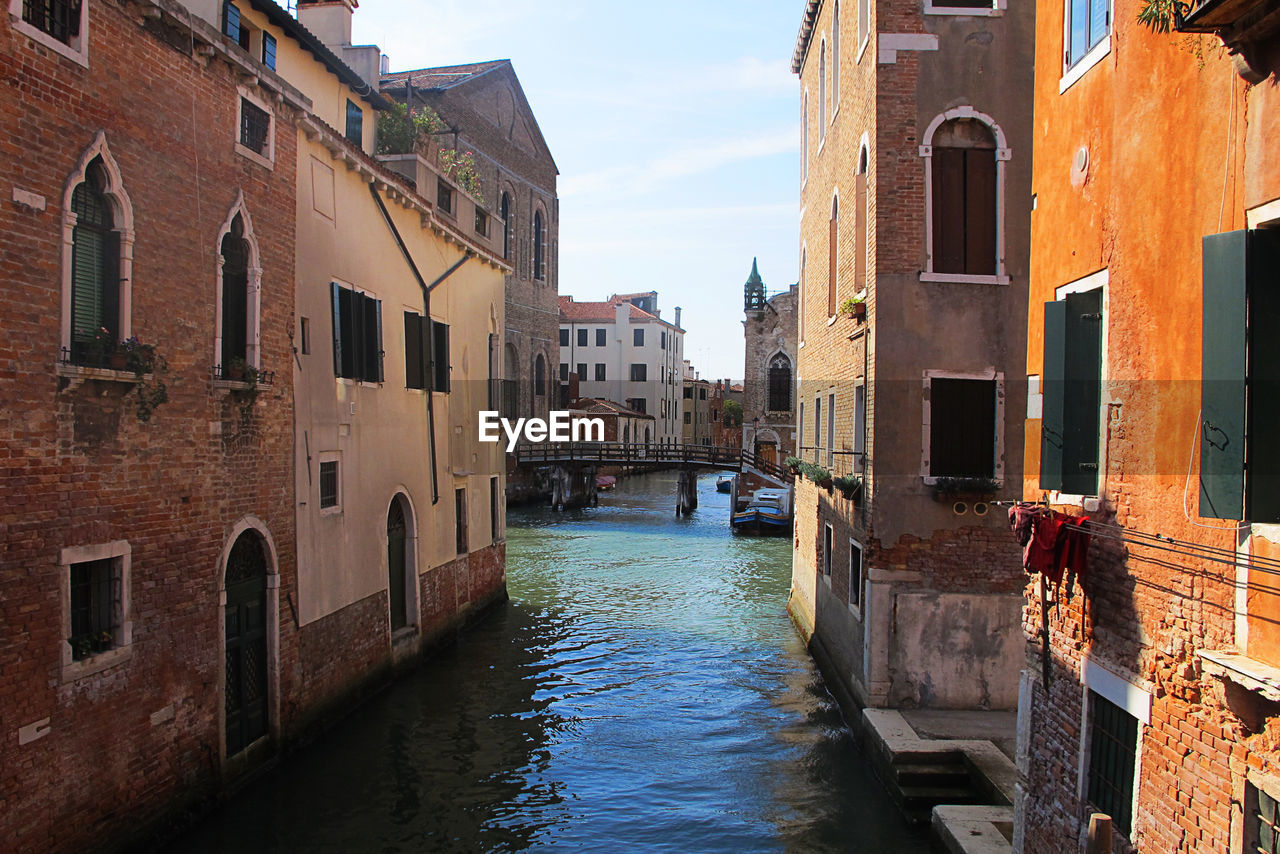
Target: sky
<point>675,126</point>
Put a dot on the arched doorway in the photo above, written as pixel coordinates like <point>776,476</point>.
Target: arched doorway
<point>245,619</point>
<point>397,563</point>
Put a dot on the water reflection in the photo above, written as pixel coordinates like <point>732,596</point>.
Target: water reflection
<point>643,689</point>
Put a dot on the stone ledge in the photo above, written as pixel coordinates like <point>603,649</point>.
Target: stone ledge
<point>1247,672</point>
<point>893,740</point>
<point>973,829</point>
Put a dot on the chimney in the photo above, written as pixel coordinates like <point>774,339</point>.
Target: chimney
<point>329,20</point>
<point>385,65</point>
<point>677,316</point>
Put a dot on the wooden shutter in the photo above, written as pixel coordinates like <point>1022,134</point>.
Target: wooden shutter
<point>440,354</point>
<point>962,427</point>
<point>337,304</point>
<point>948,210</point>
<point>372,340</point>
<point>980,212</point>
<point>1082,393</point>
<point>1222,388</point>
<point>413,362</point>
<point>1263,455</point>
<point>1051,389</point>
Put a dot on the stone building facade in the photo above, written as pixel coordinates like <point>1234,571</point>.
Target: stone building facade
<point>1151,354</point>
<point>915,201</point>
<point>488,114</point>
<point>768,385</point>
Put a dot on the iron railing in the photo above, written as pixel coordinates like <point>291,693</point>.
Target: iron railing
<point>632,453</point>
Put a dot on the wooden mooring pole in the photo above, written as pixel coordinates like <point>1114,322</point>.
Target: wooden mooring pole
<point>1099,834</point>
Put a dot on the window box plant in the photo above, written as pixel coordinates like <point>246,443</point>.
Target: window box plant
<point>854,307</point>
<point>951,488</point>
<point>849,486</point>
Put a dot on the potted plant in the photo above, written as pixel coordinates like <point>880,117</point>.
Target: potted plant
<point>138,357</point>
<point>793,463</point>
<point>854,307</point>
<point>849,485</point>
<point>949,488</point>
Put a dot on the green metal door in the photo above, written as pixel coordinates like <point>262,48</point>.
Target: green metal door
<point>396,563</point>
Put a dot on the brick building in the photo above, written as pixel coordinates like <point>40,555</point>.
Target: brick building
<point>768,385</point>
<point>134,529</point>
<point>488,114</point>
<point>915,197</point>
<point>1150,345</point>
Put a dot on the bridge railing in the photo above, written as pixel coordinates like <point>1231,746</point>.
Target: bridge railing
<point>632,453</point>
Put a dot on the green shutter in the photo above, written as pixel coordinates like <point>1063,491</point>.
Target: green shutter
<point>1082,393</point>
<point>1051,387</point>
<point>440,355</point>
<point>1263,456</point>
<point>1222,390</point>
<point>337,328</point>
<point>413,371</point>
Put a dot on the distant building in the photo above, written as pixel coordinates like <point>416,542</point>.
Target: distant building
<point>724,434</point>
<point>695,408</point>
<point>768,396</point>
<point>620,423</point>
<point>621,349</point>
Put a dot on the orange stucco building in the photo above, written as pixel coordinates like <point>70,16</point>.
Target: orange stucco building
<point>1154,698</point>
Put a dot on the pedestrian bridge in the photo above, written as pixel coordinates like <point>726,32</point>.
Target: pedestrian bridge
<point>644,454</point>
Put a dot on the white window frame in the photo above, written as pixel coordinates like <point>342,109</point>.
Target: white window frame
<point>1093,281</point>
<point>253,339</point>
<point>864,28</point>
<point>927,438</point>
<point>995,10</point>
<point>77,52</point>
<point>835,61</point>
<point>122,648</point>
<point>269,159</point>
<point>822,94</point>
<point>1133,699</point>
<point>1072,73</point>
<point>122,213</point>
<point>856,610</point>
<point>1003,155</point>
<point>329,457</point>
<point>831,430</point>
<point>804,140</point>
<point>859,443</point>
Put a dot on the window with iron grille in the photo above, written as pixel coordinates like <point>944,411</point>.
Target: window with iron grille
<point>328,484</point>
<point>95,606</point>
<point>57,18</point>
<point>269,51</point>
<point>255,127</point>
<point>1262,822</point>
<point>639,373</point>
<point>355,123</point>
<point>1113,759</point>
<point>460,511</point>
<point>357,335</point>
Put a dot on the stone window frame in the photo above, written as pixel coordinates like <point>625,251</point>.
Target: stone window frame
<point>864,27</point>
<point>539,244</point>
<point>1003,155</point>
<point>835,61</point>
<point>1133,699</point>
<point>927,421</point>
<point>323,457</point>
<point>412,560</point>
<point>833,257</point>
<point>828,546</point>
<point>253,334</point>
<point>1246,790</point>
<point>995,10</point>
<point>122,649</point>
<point>77,52</point>
<point>268,160</point>
<point>862,228</point>
<point>122,213</point>
<point>856,608</point>
<point>804,139</point>
<point>822,93</point>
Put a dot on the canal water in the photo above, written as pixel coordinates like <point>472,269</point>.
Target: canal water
<point>643,690</point>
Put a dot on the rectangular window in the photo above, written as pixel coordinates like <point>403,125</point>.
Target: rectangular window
<point>564,337</point>
<point>1088,22</point>
<point>231,21</point>
<point>637,337</point>
<point>688,418</point>
<point>600,372</point>
<point>702,394</point>
<point>962,428</point>
<point>817,428</point>
<point>95,594</point>
<point>828,542</point>
<point>601,339</point>
<point>444,197</point>
<point>417,350</point>
<point>639,373</point>
<point>860,424</point>
<point>495,510</point>
<point>304,333</point>
<point>460,511</point>
<point>637,404</point>
<point>663,341</point>
<point>800,432</point>
<point>355,123</point>
<point>1262,822</point>
<point>688,393</point>
<point>57,18</point>
<point>831,430</point>
<point>582,337</point>
<point>328,484</point>
<point>1240,391</point>
<point>269,51</point>
<point>582,372</point>
<point>482,222</point>
<point>440,356</point>
<point>1113,759</point>
<point>1071,384</point>
<point>255,127</point>
<point>357,335</point>
<point>564,372</point>
<point>855,574</point>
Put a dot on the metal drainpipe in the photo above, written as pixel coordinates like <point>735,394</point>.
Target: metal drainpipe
<point>426,312</point>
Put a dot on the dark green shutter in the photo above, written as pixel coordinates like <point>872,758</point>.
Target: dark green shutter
<point>1263,457</point>
<point>1052,378</point>
<point>372,343</point>
<point>440,355</point>
<point>339,318</point>
<point>1222,389</point>
<point>111,283</point>
<point>1082,393</point>
<point>413,370</point>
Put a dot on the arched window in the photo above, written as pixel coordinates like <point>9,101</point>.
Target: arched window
<point>833,252</point>
<point>397,563</point>
<point>504,210</point>
<point>800,294</point>
<point>780,383</point>
<point>246,642</point>
<point>822,92</point>
<point>860,215</point>
<point>964,155</point>
<point>835,60</point>
<point>539,246</point>
<point>235,296</point>
<point>95,269</point>
<point>539,376</point>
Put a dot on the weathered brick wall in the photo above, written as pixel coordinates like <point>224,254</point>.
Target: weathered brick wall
<point>78,468</point>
